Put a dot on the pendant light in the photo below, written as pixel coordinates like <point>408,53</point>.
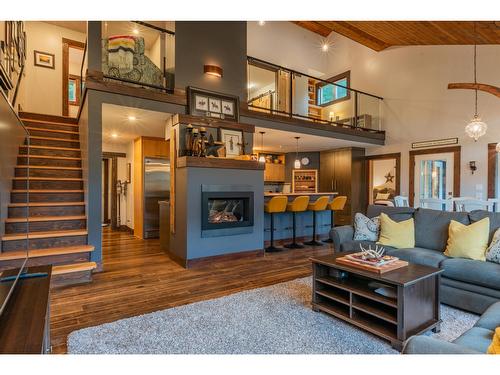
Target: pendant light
<point>296,164</point>
<point>476,128</point>
<point>262,158</point>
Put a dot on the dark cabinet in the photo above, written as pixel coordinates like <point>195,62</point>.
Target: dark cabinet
<point>343,171</point>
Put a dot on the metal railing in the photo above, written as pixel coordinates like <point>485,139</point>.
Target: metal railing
<point>281,91</point>
<point>139,54</point>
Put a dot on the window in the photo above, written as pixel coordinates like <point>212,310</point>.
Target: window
<point>74,90</point>
<point>336,92</point>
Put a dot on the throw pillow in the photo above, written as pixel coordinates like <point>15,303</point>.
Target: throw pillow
<point>494,348</point>
<point>366,229</point>
<point>399,235</point>
<point>493,251</point>
<point>468,241</point>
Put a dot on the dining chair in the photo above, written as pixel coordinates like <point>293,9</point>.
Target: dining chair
<point>400,201</point>
<point>437,204</point>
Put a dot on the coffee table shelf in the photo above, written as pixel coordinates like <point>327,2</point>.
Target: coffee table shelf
<point>348,294</point>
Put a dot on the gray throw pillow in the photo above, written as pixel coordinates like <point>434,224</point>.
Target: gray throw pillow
<point>366,229</point>
<point>493,251</point>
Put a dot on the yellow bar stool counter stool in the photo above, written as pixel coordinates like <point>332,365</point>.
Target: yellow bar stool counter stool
<point>275,205</point>
<point>319,205</point>
<point>299,204</point>
<point>337,204</point>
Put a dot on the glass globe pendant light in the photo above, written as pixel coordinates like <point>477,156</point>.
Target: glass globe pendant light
<point>476,128</point>
<point>262,158</point>
<point>296,164</point>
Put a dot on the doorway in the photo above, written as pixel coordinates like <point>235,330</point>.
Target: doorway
<point>434,174</point>
<point>383,177</point>
<point>72,58</point>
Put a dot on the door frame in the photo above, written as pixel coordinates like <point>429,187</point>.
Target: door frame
<point>114,179</point>
<point>395,155</point>
<point>66,45</point>
<point>456,150</point>
<point>105,189</point>
<point>492,168</point>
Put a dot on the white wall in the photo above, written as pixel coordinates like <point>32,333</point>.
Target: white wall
<point>126,202</point>
<point>418,106</point>
<point>41,90</point>
<point>413,81</point>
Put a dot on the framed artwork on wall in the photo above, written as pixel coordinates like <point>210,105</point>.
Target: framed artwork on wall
<point>44,59</point>
<point>212,104</point>
<point>233,142</point>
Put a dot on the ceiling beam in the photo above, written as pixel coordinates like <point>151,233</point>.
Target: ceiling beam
<point>493,90</point>
<point>315,27</point>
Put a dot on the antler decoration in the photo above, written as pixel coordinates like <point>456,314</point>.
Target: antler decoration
<point>370,253</point>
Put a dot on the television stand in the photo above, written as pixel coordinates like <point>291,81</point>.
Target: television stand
<point>25,322</point>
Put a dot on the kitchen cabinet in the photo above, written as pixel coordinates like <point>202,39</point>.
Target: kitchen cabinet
<point>274,172</point>
<point>343,171</point>
<point>155,147</point>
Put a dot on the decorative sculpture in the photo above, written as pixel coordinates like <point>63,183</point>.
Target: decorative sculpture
<point>369,253</point>
<point>188,140</point>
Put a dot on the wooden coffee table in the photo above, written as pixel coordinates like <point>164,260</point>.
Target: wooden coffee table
<point>344,292</point>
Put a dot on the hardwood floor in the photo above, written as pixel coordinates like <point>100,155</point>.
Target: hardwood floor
<point>139,278</point>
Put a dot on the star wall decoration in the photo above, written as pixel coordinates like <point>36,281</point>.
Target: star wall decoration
<point>389,177</point>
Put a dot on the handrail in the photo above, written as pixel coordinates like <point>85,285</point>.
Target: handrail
<point>18,83</point>
<point>250,58</point>
<point>270,92</point>
<point>81,69</point>
<point>142,23</point>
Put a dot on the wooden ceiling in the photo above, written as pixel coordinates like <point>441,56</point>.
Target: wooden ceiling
<point>379,35</point>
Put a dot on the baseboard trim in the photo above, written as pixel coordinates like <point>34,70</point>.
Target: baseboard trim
<point>200,262</point>
<point>284,241</point>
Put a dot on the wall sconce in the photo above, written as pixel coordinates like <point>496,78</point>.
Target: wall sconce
<point>213,70</point>
<point>472,166</point>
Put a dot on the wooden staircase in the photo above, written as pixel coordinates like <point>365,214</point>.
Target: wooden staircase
<point>55,230</point>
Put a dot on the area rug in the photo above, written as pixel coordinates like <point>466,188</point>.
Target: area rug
<point>273,320</point>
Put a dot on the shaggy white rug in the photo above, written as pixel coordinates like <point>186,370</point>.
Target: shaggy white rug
<point>273,320</point>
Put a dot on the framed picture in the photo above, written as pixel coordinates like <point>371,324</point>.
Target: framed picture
<point>201,103</point>
<point>45,60</point>
<point>212,104</point>
<point>228,108</point>
<point>233,141</point>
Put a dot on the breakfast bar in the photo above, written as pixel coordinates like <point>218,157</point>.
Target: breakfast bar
<point>283,222</point>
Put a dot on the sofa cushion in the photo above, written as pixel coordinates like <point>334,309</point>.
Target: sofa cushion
<point>468,241</point>
<point>395,213</point>
<point>491,318</point>
<point>418,255</point>
<point>431,227</point>
<point>494,217</point>
<point>396,234</point>
<point>354,245</point>
<point>476,338</point>
<point>366,229</point>
<point>473,271</point>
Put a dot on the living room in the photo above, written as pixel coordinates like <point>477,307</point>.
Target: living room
<point>332,188</point>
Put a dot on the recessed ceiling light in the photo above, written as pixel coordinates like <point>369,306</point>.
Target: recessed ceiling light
<point>325,47</point>
<point>131,118</point>
<point>114,135</point>
<point>262,23</point>
<point>135,31</point>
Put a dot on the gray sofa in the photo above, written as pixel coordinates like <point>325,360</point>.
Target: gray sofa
<point>466,284</point>
<point>474,341</point>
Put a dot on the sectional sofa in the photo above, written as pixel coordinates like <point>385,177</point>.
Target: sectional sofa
<point>470,285</point>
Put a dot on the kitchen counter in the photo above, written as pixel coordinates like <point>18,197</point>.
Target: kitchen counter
<point>297,194</point>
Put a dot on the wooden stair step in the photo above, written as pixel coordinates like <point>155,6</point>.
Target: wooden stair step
<point>46,204</point>
<point>46,191</point>
<point>53,139</point>
<point>52,130</point>
<point>49,234</point>
<point>49,157</point>
<point>48,167</point>
<point>50,148</point>
<point>48,122</point>
<point>48,178</point>
<point>37,253</point>
<point>44,218</point>
<point>75,267</point>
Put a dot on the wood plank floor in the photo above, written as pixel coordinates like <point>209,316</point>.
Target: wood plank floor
<point>139,278</point>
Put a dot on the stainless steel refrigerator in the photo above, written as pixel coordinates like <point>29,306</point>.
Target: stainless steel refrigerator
<point>156,189</point>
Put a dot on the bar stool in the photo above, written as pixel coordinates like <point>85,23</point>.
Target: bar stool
<point>275,205</point>
<point>319,205</point>
<point>337,204</point>
<point>299,204</point>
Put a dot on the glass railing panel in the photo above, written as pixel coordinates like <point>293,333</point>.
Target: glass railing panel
<point>368,112</point>
<point>262,88</point>
<point>138,53</point>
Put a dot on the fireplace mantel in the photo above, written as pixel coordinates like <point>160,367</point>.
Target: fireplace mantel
<point>223,163</point>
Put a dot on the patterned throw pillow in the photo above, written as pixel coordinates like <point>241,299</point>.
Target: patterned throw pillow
<point>493,251</point>
<point>366,229</point>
